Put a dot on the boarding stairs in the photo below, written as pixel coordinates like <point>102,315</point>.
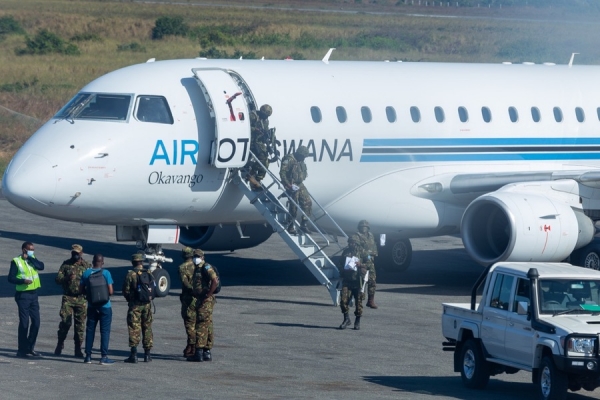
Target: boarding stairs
<point>309,248</point>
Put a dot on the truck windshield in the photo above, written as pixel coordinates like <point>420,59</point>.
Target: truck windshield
<point>96,106</point>
<point>569,296</point>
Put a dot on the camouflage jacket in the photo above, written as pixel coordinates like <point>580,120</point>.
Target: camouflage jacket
<point>292,171</point>
<point>259,129</point>
<point>186,274</point>
<point>203,276</point>
<point>130,284</point>
<point>363,246</point>
<point>69,276</point>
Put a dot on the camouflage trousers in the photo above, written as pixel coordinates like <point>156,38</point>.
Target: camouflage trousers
<point>303,199</point>
<point>139,323</point>
<point>371,284</point>
<point>204,324</point>
<point>262,156</point>
<point>347,294</point>
<point>188,313</point>
<point>72,308</point>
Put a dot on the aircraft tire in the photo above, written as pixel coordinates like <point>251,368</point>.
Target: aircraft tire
<point>396,255</point>
<point>588,256</point>
<point>163,282</point>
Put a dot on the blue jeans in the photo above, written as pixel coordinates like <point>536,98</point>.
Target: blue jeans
<point>95,314</point>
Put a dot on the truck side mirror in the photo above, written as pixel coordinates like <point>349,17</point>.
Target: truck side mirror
<point>522,307</point>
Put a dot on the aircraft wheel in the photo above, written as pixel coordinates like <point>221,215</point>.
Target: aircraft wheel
<point>588,256</point>
<point>397,254</point>
<point>163,282</point>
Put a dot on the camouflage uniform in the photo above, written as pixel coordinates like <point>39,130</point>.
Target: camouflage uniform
<point>294,172</point>
<point>188,302</point>
<point>352,282</point>
<point>260,138</point>
<point>74,304</point>
<point>203,275</point>
<point>139,315</point>
<point>363,246</point>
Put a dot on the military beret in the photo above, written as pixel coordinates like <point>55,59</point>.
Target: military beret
<point>77,248</point>
<point>137,257</point>
<point>187,252</point>
<point>198,252</point>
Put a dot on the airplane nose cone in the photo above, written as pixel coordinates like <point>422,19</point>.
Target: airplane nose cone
<point>29,182</point>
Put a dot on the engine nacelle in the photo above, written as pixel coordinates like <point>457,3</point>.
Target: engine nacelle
<point>513,226</point>
<point>225,237</point>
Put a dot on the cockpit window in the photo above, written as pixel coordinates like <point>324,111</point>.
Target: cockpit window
<point>153,109</point>
<point>97,106</point>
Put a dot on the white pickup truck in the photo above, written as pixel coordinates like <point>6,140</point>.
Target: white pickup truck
<point>537,317</point>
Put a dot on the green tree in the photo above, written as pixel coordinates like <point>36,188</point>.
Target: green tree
<point>169,26</point>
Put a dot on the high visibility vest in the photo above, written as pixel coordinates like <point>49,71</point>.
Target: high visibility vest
<point>26,271</point>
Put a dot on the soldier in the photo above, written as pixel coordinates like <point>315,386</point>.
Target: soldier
<point>261,141</point>
<point>188,302</point>
<point>206,282</point>
<point>362,245</point>
<point>353,273</point>
<point>74,304</point>
<point>293,173</point>
<point>139,315</point>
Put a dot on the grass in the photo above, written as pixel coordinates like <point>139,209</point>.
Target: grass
<point>113,34</point>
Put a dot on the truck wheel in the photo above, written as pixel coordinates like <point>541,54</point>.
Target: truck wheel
<point>163,282</point>
<point>553,384</point>
<point>475,371</point>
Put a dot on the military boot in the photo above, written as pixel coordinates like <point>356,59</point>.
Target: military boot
<point>132,357</point>
<point>147,357</point>
<point>346,321</point>
<point>59,347</point>
<point>357,323</point>
<point>371,301</point>
<point>304,227</point>
<point>206,356</point>
<point>189,350</point>
<point>197,357</point>
<point>291,228</point>
<point>78,352</point>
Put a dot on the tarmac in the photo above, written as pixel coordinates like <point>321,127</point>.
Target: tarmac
<point>276,333</point>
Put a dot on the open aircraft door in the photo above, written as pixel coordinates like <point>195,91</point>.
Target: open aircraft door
<point>227,105</point>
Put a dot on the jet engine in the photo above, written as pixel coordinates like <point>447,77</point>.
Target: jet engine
<point>224,237</point>
<point>523,226</point>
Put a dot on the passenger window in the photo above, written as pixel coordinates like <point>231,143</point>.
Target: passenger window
<point>439,114</point>
<point>366,114</point>
<point>513,114</point>
<point>558,115</point>
<point>535,114</point>
<point>486,114</point>
<point>415,114</point>
<point>463,114</point>
<point>522,293</point>
<point>100,106</point>
<point>315,113</point>
<point>341,114</point>
<point>153,109</point>
<point>579,114</point>
<point>501,292</point>
<point>390,112</point>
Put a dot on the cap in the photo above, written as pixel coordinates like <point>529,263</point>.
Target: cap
<point>198,252</point>
<point>137,257</point>
<point>187,252</point>
<point>77,247</point>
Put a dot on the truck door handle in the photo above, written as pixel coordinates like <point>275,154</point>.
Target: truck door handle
<point>511,324</point>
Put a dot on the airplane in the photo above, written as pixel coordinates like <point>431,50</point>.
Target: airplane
<point>506,155</point>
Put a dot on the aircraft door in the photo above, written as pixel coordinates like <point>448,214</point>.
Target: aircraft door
<point>228,107</point>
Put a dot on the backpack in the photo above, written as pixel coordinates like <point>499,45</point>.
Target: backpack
<point>204,276</point>
<point>145,288</point>
<point>97,289</point>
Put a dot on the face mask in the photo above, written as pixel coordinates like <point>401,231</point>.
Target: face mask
<point>197,260</point>
<point>75,256</point>
<point>29,253</point>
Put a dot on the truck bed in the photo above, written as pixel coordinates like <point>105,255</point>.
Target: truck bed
<point>457,315</point>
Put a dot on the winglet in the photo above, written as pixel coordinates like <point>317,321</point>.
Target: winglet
<point>571,60</point>
<point>326,58</point>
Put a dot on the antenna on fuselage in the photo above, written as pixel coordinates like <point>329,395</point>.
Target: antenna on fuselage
<point>326,58</point>
<point>571,60</point>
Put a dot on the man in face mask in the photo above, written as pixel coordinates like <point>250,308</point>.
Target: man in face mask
<point>74,304</point>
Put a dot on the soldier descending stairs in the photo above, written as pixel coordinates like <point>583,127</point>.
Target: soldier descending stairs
<point>307,242</point>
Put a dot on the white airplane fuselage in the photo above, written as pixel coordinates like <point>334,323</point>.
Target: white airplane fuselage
<point>395,172</point>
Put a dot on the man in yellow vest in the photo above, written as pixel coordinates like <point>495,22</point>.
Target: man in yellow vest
<point>24,274</point>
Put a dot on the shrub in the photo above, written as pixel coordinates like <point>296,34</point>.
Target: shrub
<point>86,37</point>
<point>133,47</point>
<point>10,25</point>
<point>17,87</point>
<point>46,42</point>
<point>169,26</point>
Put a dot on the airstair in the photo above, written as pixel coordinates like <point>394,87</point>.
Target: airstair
<point>309,248</point>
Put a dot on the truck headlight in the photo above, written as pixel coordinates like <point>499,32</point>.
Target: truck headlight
<point>581,346</point>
